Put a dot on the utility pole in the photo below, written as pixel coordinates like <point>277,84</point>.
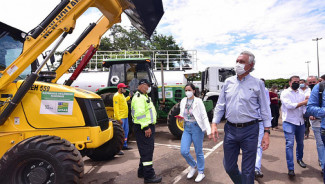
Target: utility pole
<point>308,67</point>
<point>316,39</point>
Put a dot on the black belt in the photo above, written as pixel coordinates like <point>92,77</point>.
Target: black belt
<point>242,125</point>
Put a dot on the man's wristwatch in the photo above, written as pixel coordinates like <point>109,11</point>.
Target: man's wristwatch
<point>268,131</point>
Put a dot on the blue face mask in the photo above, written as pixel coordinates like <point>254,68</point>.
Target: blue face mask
<point>302,85</point>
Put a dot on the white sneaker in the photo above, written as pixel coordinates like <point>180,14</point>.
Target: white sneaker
<point>191,173</point>
<point>199,177</point>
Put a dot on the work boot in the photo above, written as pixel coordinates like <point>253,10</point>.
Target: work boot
<point>140,175</point>
<point>301,163</point>
<point>120,153</point>
<point>126,148</point>
<point>154,179</point>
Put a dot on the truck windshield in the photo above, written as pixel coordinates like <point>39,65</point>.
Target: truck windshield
<point>11,46</point>
<point>225,73</point>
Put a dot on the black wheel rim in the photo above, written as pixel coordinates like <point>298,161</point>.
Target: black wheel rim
<point>35,171</point>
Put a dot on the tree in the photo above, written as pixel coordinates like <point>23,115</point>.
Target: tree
<point>279,82</point>
<point>132,39</point>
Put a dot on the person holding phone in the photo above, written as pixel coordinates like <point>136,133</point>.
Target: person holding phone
<point>196,122</point>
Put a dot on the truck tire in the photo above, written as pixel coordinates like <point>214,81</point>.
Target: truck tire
<point>42,159</point>
<point>108,150</point>
<point>173,126</point>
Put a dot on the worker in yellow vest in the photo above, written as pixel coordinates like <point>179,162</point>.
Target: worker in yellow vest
<point>144,117</point>
<point>121,112</point>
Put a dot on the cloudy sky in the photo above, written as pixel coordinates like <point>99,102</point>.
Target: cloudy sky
<point>278,32</point>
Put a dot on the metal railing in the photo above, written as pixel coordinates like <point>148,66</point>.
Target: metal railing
<point>172,59</point>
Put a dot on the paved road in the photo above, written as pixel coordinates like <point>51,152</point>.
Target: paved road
<point>169,163</point>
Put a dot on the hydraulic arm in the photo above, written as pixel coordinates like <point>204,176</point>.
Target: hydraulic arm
<point>89,39</point>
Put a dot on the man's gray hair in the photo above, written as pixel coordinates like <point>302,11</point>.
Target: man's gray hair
<point>312,76</point>
<point>251,58</point>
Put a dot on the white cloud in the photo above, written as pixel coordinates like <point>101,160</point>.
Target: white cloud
<point>279,33</point>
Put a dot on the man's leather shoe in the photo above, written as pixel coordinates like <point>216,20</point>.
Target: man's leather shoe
<point>301,163</point>
<point>154,179</point>
<point>258,174</point>
<point>291,173</point>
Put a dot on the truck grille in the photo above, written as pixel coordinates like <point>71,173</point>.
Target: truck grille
<point>94,112</point>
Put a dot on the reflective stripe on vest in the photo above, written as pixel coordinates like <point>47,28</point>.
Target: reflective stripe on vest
<point>147,163</point>
<point>141,117</point>
<point>151,115</point>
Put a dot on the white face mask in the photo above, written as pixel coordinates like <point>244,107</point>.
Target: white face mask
<point>189,94</point>
<point>240,68</point>
<point>148,90</point>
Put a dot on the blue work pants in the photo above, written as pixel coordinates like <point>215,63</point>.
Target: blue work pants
<point>125,126</point>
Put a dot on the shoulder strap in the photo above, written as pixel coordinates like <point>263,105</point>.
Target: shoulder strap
<point>320,92</point>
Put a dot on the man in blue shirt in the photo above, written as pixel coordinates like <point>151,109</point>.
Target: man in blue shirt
<point>316,108</point>
<point>244,103</point>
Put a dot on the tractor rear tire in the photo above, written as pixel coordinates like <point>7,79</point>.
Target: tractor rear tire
<point>108,150</point>
<point>42,159</point>
<point>171,121</point>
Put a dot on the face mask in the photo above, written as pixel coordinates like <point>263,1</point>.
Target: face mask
<point>311,86</point>
<point>295,86</point>
<point>148,90</point>
<point>189,94</point>
<point>302,85</point>
<point>239,68</point>
<point>275,91</point>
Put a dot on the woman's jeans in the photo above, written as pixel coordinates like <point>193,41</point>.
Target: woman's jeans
<point>193,133</point>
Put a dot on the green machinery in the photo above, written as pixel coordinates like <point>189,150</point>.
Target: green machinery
<point>166,98</point>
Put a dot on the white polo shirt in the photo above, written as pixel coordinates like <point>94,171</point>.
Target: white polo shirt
<point>290,99</point>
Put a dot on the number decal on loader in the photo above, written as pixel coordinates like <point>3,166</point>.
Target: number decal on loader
<point>41,88</point>
<point>45,88</point>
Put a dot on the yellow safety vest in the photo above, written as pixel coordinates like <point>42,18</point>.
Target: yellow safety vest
<point>142,110</point>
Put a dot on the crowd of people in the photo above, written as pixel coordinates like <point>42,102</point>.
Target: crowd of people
<point>251,111</point>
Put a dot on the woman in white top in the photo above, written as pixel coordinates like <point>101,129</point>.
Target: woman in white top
<point>196,122</point>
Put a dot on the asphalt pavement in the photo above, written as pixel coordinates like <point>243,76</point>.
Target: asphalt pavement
<point>169,163</point>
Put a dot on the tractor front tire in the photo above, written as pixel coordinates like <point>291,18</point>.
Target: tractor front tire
<point>173,126</point>
<point>42,159</point>
<point>108,150</point>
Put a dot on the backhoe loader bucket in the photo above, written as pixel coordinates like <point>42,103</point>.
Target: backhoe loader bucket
<point>145,14</point>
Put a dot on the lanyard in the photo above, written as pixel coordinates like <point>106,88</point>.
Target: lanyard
<point>189,107</point>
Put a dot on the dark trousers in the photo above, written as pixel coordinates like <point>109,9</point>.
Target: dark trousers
<point>240,138</point>
<point>322,131</point>
<point>146,148</point>
<point>275,114</point>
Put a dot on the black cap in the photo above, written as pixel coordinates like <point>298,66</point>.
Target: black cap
<point>145,81</point>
